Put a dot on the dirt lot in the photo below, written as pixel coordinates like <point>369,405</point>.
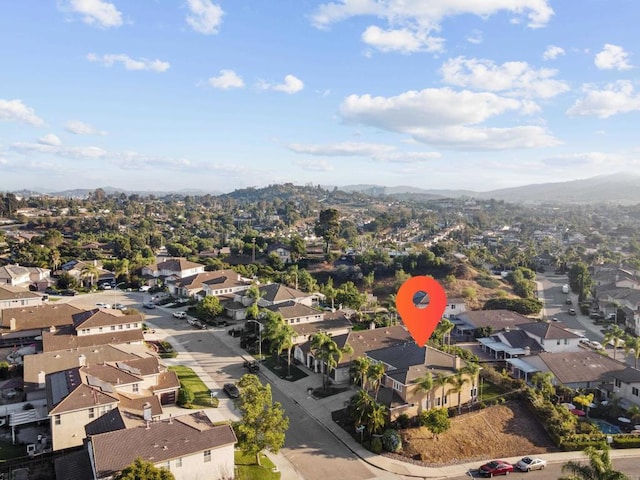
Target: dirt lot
<point>499,431</point>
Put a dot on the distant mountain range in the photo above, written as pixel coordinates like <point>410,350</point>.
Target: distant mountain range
<point>620,188</point>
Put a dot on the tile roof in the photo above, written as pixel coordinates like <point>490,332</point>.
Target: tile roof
<point>518,339</point>
<point>216,279</point>
<point>101,317</point>
<point>67,393</point>
<point>38,317</point>
<point>64,339</point>
<point>160,442</point>
<point>364,341</point>
<point>50,362</point>
<point>291,309</point>
<point>110,374</point>
<point>580,367</point>
<point>13,271</point>
<point>628,375</point>
<point>277,293</point>
<point>325,325</point>
<point>498,319</point>
<point>166,381</point>
<point>134,404</point>
<point>547,330</point>
<point>174,265</point>
<point>7,292</point>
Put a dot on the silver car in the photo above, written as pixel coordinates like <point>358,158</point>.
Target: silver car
<point>527,464</point>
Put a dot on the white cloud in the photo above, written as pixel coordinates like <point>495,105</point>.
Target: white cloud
<point>16,111</point>
<point>475,37</point>
<point>401,40</point>
<point>409,25</point>
<point>94,12</point>
<point>80,128</point>
<point>588,159</point>
<point>375,151</point>
<point>205,16</point>
<point>614,99</point>
<point>291,85</point>
<point>442,117</point>
<point>552,52</point>
<point>50,139</point>
<point>513,78</point>
<point>129,63</point>
<point>612,57</point>
<point>227,79</point>
<point>75,153</point>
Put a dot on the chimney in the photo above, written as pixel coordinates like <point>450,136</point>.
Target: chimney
<point>52,328</point>
<point>146,413</point>
<point>12,323</point>
<point>527,350</point>
<point>457,364</point>
<point>82,360</point>
<point>41,379</point>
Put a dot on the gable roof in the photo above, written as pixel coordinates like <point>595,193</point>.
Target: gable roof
<point>498,319</point>
<point>277,293</point>
<point>63,339</point>
<point>547,330</point>
<point>160,442</point>
<point>174,265</point>
<point>364,341</point>
<point>108,422</point>
<point>517,339</point>
<point>13,271</point>
<point>40,316</point>
<point>581,367</point>
<point>8,292</point>
<point>291,309</point>
<point>67,393</point>
<point>100,317</point>
<point>628,375</point>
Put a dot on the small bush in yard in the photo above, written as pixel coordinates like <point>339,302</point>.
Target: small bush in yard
<point>391,440</point>
<point>376,445</point>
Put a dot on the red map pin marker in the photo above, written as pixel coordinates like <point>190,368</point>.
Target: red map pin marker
<point>421,322</point>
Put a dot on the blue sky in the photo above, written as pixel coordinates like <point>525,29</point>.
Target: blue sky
<point>217,95</point>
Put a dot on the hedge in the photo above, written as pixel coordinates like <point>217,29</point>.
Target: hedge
<point>631,441</point>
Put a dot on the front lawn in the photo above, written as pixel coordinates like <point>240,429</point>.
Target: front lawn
<point>248,469</point>
<point>281,369</point>
<point>191,381</point>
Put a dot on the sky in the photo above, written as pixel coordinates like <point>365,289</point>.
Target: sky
<point>217,95</point>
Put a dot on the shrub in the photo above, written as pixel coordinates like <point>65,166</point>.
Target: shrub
<point>631,441</point>
<point>185,396</point>
<point>403,420</point>
<point>376,445</point>
<point>391,440</point>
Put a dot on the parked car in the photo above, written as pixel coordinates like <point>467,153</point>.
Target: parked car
<point>181,315</point>
<point>52,291</point>
<point>144,288</point>
<point>527,464</point>
<point>252,366</point>
<point>103,305</point>
<point>496,467</point>
<point>235,332</point>
<point>572,311</point>
<point>231,390</point>
<point>568,301</point>
<point>149,305</point>
<point>119,306</point>
<point>596,345</point>
<point>68,293</point>
<point>221,323</point>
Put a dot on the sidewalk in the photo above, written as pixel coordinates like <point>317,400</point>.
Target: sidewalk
<point>320,410</point>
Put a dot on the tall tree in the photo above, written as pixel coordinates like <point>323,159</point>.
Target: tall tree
<point>89,272</point>
<point>328,226</point>
<point>210,307</point>
<point>458,381</point>
<point>375,374</point>
<point>543,381</point>
<point>263,424</point>
<point>424,384</point>
<point>328,353</point>
<point>359,369</point>
<point>599,467</point>
<point>632,343</point>
<point>580,280</point>
<point>614,335</point>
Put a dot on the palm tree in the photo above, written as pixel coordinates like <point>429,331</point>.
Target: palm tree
<point>458,382</point>
<point>55,260</point>
<point>327,351</point>
<point>360,407</point>
<point>89,271</point>
<point>598,468</point>
<point>443,330</point>
<point>359,368</point>
<point>614,335</point>
<point>377,418</point>
<point>441,380</point>
<point>632,343</point>
<point>287,334</point>
<point>375,375</point>
<point>472,369</point>
<point>424,384</point>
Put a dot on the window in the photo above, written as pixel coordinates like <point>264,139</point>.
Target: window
<point>99,329</point>
<point>634,391</point>
<point>178,462</point>
<point>113,327</point>
<point>557,342</point>
<point>120,327</point>
<point>397,386</point>
<point>473,392</point>
<point>453,307</point>
<point>135,388</point>
<point>438,402</point>
<point>566,341</point>
<point>446,400</point>
<point>56,420</point>
<point>207,456</point>
<point>92,413</point>
<point>618,383</point>
<point>135,325</point>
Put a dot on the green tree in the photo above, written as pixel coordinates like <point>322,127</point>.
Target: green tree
<point>348,295</point>
<point>263,424</point>
<point>143,470</point>
<point>599,467</point>
<point>298,248</point>
<point>584,401</point>
<point>580,280</point>
<point>543,381</point>
<point>377,419</point>
<point>375,374</point>
<point>210,307</point>
<point>436,420</point>
<point>632,344</point>
<point>328,226</point>
<point>359,369</point>
<point>360,406</point>
<point>458,382</point>
<point>328,353</point>
<point>185,396</point>
<point>424,384</point>
<point>89,272</point>
<point>614,335</point>
<point>329,291</point>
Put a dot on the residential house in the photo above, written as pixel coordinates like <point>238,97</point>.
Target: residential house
<point>467,323</point>
<point>282,251</point>
<point>295,313</point>
<point>626,386</point>
<point>216,283</point>
<point>333,323</point>
<point>190,446</point>
<point>93,328</point>
<point>77,396</point>
<point>170,269</point>
<point>455,306</point>
<point>24,324</point>
<point>77,269</point>
<point>14,297</point>
<point>406,363</point>
<point>269,295</point>
<point>14,275</point>
<point>552,337</point>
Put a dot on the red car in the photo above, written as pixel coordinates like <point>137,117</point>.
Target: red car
<point>496,467</point>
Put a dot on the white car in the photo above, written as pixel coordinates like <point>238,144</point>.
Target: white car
<point>527,464</point>
<point>180,314</point>
<point>596,345</point>
<point>103,305</point>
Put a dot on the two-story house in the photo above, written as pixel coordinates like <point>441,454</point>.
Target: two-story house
<point>13,297</point>
<point>216,283</point>
<point>626,386</point>
<point>170,269</point>
<point>190,446</point>
<point>24,324</point>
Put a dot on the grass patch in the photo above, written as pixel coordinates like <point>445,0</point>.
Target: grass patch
<point>489,392</point>
<point>202,396</point>
<point>281,370</point>
<point>9,451</point>
<point>248,469</point>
